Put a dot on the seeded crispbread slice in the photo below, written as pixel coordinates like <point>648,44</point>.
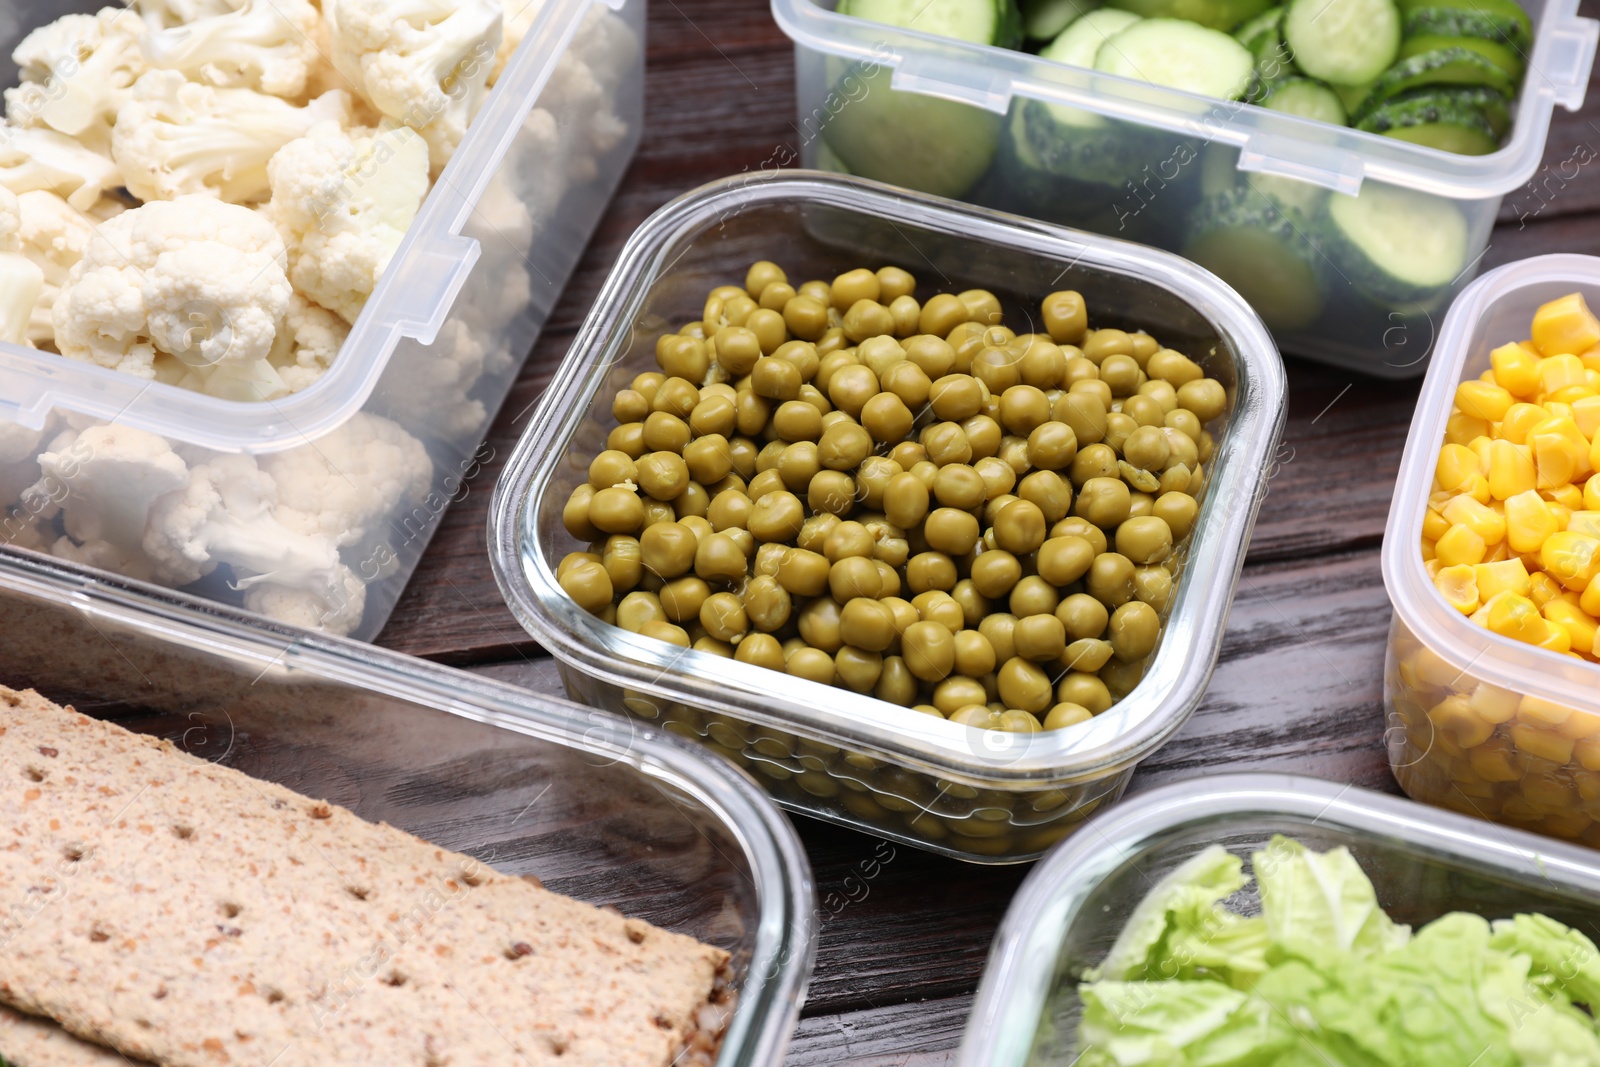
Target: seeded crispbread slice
<point>190,915</point>
<point>29,1041</point>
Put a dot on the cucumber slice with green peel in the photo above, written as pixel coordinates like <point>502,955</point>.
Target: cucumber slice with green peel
<point>1044,20</point>
<point>1261,33</point>
<point>1453,22</point>
<point>1103,154</point>
<point>919,142</point>
<point>1346,42</point>
<point>1081,41</point>
<point>995,22</point>
<point>1352,96</point>
<point>1448,137</point>
<point>1498,54</point>
<point>1179,55</point>
<point>1442,66</point>
<point>1476,108</point>
<point>1306,98</point>
<point>1396,244</point>
<point>1263,251</point>
<point>1214,14</point>
<point>1220,173</point>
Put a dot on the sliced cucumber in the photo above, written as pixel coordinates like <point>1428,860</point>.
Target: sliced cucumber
<point>1262,33</point>
<point>1214,14</point>
<point>1448,137</point>
<point>1476,108</point>
<point>1261,250</point>
<point>1044,20</point>
<point>1103,154</point>
<point>919,142</point>
<point>1179,55</point>
<point>1396,244</point>
<point>1352,96</point>
<point>1080,42</point>
<point>1306,98</point>
<point>1498,54</point>
<point>1442,66</point>
<point>1494,20</point>
<point>995,22</point>
<point>1346,42</point>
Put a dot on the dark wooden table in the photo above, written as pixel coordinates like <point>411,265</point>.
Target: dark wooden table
<point>1299,685</point>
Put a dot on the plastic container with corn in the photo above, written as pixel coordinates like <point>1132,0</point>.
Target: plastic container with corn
<point>1491,681</point>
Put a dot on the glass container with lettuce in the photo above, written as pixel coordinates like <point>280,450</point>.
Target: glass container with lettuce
<point>1321,977</point>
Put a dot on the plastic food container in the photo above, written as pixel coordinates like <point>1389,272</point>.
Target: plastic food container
<point>1073,905</point>
<point>439,342</point>
<point>829,752</point>
<point>1478,722</point>
<point>1152,164</point>
<point>599,808</point>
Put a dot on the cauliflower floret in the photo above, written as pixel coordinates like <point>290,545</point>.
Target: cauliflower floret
<point>344,485</point>
<point>161,14</point>
<point>53,235</point>
<point>21,280</point>
<point>191,278</point>
<point>517,24</point>
<point>335,607</point>
<point>104,480</point>
<point>75,74</point>
<point>343,201</point>
<point>308,343</point>
<point>423,63</point>
<point>266,45</point>
<point>174,137</point>
<point>36,158</point>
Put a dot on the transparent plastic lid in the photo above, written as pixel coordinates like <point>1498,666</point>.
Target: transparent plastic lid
<point>1492,311</point>
<point>1269,142</point>
<point>412,300</point>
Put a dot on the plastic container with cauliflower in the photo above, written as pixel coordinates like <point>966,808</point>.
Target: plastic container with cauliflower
<point>268,272</point>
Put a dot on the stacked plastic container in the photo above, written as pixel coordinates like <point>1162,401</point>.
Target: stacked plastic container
<point>396,427</point>
<point>1148,159</point>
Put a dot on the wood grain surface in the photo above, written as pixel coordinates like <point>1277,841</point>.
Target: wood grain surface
<point>1299,683</point>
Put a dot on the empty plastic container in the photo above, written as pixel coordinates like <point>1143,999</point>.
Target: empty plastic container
<point>979,795</point>
<point>1481,723</point>
<point>602,809</point>
<point>433,353</point>
<point>1242,189</point>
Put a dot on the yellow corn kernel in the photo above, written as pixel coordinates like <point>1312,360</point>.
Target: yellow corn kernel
<point>1519,420</point>
<point>1586,413</point>
<point>1569,496</point>
<point>1588,753</point>
<point>1511,470</point>
<point>1560,372</point>
<point>1457,465</point>
<point>1477,488</point>
<point>1521,810</point>
<point>1561,421</point>
<point>1480,448</point>
<point>1460,544</point>
<point>1572,559</point>
<point>1499,552</point>
<point>1565,326</point>
<point>1454,718</point>
<point>1567,825</point>
<point>1588,782</point>
<point>1460,429</point>
<point>1433,670</point>
<point>1516,617</point>
<point>1542,589</point>
<point>1571,618</point>
<point>1568,397</point>
<point>1541,743</point>
<point>1481,519</point>
<point>1555,638</point>
<point>1484,400</point>
<point>1591,361</point>
<point>1562,513</point>
<point>1459,584</point>
<point>1430,556</point>
<point>1590,600</point>
<point>1584,522</point>
<point>1580,725</point>
<point>1493,704</point>
<point>1557,459</point>
<point>1516,370</point>
<point>1434,525</point>
<point>1529,521</point>
<point>1591,494</point>
<point>1556,409</point>
<point>1507,575</point>
<point>1552,793</point>
<point>1492,764</point>
<point>1439,498</point>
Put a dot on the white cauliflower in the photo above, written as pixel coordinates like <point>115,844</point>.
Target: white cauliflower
<point>53,235</point>
<point>307,344</point>
<point>162,14</point>
<point>104,480</point>
<point>265,45</point>
<point>520,16</point>
<point>423,63</point>
<point>343,200</point>
<point>175,137</point>
<point>343,485</point>
<point>37,158</point>
<point>191,278</point>
<point>19,463</point>
<point>21,280</point>
<point>76,72</point>
<point>334,607</point>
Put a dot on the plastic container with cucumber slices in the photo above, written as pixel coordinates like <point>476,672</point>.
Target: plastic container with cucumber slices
<point>1349,243</point>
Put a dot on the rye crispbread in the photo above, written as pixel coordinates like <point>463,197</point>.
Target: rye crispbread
<point>29,1041</point>
<point>187,914</point>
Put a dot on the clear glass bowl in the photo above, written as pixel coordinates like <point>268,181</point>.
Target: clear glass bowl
<point>600,808</point>
<point>1423,863</point>
<point>1477,722</point>
<point>852,759</point>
